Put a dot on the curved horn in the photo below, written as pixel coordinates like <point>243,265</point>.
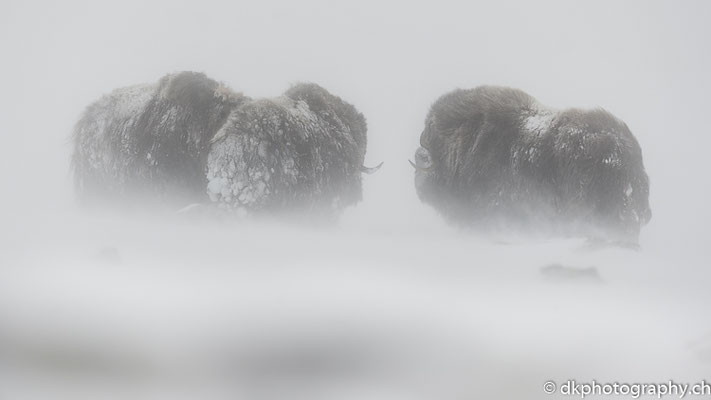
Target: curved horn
<point>419,169</point>
<point>369,171</point>
<point>192,208</point>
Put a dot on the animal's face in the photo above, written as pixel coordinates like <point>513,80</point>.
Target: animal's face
<point>424,164</point>
<point>424,171</point>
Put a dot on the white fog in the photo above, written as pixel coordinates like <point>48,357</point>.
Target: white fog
<point>391,302</point>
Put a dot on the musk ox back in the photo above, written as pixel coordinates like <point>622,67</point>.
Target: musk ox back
<point>190,139</point>
<point>305,148</point>
<point>493,158</point>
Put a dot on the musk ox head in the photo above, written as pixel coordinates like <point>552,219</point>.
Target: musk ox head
<point>334,110</point>
<point>455,150</point>
<point>337,112</point>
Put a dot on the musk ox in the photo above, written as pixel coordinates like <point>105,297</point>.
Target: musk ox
<point>494,158</point>
<point>191,139</point>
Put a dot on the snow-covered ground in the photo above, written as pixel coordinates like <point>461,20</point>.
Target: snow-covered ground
<point>391,303</point>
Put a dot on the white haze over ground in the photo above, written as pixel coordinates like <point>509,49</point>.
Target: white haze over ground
<point>391,303</point>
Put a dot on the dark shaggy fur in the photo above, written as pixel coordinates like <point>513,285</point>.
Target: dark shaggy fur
<point>493,157</point>
<point>305,148</point>
<point>189,138</point>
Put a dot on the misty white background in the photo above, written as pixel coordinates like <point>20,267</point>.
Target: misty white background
<point>647,62</point>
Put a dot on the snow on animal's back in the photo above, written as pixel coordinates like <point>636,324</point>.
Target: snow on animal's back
<point>132,100</point>
<point>124,104</point>
<point>255,145</point>
<point>538,121</point>
<point>274,149</point>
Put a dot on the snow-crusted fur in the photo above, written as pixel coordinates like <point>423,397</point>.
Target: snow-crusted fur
<point>302,149</point>
<point>493,157</point>
<point>189,139</point>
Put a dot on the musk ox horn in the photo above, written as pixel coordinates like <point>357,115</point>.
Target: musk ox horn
<point>369,171</point>
<point>420,169</point>
<point>191,208</point>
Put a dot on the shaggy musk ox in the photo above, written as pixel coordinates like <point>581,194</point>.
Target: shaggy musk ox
<point>494,158</point>
<point>190,139</point>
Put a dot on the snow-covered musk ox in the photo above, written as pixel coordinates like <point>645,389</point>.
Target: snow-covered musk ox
<point>191,139</point>
<point>494,158</point>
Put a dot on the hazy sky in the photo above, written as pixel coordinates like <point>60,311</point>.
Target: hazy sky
<point>645,61</point>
